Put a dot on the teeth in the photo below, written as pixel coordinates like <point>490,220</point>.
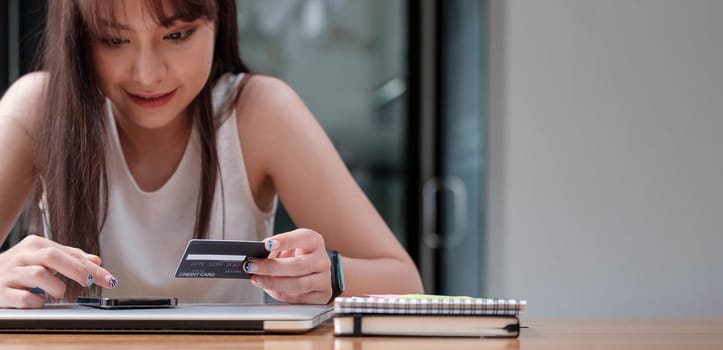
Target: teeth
<point>150,97</point>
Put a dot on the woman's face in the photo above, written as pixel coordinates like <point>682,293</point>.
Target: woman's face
<point>151,73</point>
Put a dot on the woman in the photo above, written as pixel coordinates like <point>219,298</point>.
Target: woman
<point>145,130</point>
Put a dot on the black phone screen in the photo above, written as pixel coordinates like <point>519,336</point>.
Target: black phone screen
<point>128,303</point>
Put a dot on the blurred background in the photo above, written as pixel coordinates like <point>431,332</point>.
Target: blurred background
<point>560,151</point>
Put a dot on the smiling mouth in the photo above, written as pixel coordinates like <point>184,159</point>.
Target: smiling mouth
<point>152,101</point>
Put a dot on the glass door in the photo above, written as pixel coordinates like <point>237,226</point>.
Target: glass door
<point>461,133</point>
<point>397,85</point>
<point>347,59</point>
<point>451,134</point>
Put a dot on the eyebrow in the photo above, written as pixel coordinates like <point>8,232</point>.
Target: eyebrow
<point>116,25</point>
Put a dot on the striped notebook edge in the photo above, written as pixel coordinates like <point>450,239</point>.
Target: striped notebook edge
<point>429,305</point>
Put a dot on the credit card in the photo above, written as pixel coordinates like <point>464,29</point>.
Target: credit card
<point>210,258</point>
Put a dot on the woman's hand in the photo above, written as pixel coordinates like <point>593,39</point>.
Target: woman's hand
<point>34,262</point>
<point>297,269</point>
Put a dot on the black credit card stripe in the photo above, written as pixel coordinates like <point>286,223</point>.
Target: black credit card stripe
<point>227,247</point>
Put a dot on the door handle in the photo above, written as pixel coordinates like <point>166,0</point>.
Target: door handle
<point>456,186</point>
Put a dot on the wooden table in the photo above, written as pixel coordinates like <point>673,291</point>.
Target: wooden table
<point>659,334</point>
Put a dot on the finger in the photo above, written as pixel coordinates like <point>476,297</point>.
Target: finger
<point>301,265</point>
<point>21,299</point>
<point>288,253</point>
<point>80,269</point>
<point>81,255</point>
<point>304,239</point>
<point>307,298</point>
<point>61,261</point>
<point>95,259</point>
<point>316,282</point>
<point>93,274</point>
<point>36,276</point>
<point>37,242</point>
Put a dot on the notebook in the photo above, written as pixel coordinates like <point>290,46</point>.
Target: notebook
<point>428,304</point>
<point>427,326</point>
<point>427,315</point>
<point>186,318</point>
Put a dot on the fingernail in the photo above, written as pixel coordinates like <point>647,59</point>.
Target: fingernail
<point>270,244</point>
<point>112,281</point>
<point>90,280</point>
<point>248,265</point>
<point>36,290</point>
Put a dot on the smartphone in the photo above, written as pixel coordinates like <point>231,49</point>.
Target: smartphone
<point>128,303</point>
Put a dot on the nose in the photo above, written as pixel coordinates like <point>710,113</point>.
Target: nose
<point>149,68</point>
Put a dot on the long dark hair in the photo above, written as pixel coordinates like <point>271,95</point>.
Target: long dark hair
<point>72,130</point>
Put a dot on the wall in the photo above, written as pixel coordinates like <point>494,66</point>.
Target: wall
<point>605,182</point>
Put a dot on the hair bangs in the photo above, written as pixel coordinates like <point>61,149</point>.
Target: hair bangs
<point>102,17</point>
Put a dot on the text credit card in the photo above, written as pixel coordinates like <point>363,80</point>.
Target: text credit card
<point>208,258</point>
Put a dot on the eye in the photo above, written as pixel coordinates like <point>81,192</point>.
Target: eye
<point>180,35</point>
<point>175,36</point>
<point>113,42</point>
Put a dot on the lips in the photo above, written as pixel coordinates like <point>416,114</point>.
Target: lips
<point>151,100</point>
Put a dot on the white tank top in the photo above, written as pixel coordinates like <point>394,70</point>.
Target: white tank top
<point>145,233</point>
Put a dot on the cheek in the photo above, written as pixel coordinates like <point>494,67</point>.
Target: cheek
<point>205,50</point>
<point>201,63</point>
<point>106,71</point>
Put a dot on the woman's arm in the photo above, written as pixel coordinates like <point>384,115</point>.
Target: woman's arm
<point>285,141</point>
<point>19,109</point>
<point>33,262</point>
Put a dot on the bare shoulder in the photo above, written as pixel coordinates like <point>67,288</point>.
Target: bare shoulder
<point>269,98</point>
<point>270,116</point>
<point>280,137</point>
<point>21,103</point>
<point>271,113</point>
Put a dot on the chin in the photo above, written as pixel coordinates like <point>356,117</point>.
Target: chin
<point>155,122</point>
<point>153,118</point>
<point>151,124</point>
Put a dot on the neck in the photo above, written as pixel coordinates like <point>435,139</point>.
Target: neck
<point>139,142</point>
<point>152,155</point>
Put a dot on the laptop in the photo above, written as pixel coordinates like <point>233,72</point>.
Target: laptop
<point>185,318</point>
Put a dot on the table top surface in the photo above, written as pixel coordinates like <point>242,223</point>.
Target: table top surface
<point>655,333</point>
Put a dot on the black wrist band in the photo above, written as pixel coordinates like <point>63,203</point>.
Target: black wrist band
<point>337,274</point>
